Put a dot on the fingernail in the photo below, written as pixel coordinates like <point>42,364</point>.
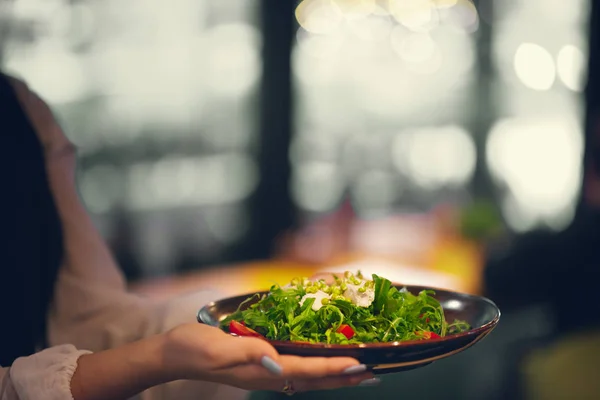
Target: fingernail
<point>271,365</point>
<point>355,369</point>
<point>370,382</point>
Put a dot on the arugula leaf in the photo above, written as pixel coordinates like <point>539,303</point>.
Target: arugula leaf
<point>382,286</point>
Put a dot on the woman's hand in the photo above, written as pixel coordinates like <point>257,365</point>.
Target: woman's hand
<point>202,352</point>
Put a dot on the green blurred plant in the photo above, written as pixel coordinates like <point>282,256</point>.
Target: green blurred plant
<point>481,221</point>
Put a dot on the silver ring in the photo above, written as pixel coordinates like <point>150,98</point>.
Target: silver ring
<point>288,388</point>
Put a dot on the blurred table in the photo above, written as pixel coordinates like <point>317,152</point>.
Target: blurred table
<point>248,277</point>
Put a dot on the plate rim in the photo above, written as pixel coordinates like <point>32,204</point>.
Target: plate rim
<point>487,327</point>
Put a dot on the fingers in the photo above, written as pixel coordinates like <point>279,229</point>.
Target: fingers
<point>308,385</point>
<point>332,382</point>
<point>315,367</point>
<point>253,351</point>
<point>253,377</point>
<point>257,361</point>
<point>243,350</point>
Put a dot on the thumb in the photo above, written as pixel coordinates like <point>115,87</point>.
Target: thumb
<point>256,351</point>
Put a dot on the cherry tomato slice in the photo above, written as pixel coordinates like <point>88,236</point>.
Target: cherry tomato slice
<point>429,335</point>
<point>241,330</point>
<point>346,330</point>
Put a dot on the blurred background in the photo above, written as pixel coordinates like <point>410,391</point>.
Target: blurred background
<point>429,135</point>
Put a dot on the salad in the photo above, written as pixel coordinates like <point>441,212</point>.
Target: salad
<point>352,310</point>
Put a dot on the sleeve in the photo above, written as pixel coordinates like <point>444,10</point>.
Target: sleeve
<point>91,308</point>
<point>45,375</point>
<point>7,390</point>
<point>98,317</point>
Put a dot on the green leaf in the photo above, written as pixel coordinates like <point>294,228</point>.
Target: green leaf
<point>382,286</point>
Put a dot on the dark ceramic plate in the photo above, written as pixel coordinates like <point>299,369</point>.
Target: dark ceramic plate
<point>482,314</point>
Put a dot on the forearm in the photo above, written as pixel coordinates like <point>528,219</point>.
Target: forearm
<point>120,373</point>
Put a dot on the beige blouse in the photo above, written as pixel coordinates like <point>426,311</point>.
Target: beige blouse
<point>92,309</point>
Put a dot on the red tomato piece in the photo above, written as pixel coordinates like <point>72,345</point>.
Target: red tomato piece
<point>346,330</point>
<point>429,335</point>
<point>241,330</point>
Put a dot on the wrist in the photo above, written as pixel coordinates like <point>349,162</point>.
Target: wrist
<point>155,362</point>
<point>121,372</point>
<point>183,354</point>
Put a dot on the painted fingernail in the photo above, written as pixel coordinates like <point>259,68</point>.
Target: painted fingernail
<point>355,369</point>
<point>271,365</point>
<point>370,382</point>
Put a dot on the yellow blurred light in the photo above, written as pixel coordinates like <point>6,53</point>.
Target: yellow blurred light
<point>435,157</point>
<point>540,162</point>
<point>374,28</point>
<point>464,15</point>
<point>420,52</point>
<point>517,219</point>
<point>382,8</point>
<point>414,47</point>
<point>355,9</point>
<point>318,16</point>
<point>313,72</point>
<point>388,90</point>
<point>416,15</point>
<point>458,49</point>
<point>444,3</point>
<point>534,66</point>
<point>320,46</point>
<point>570,64</point>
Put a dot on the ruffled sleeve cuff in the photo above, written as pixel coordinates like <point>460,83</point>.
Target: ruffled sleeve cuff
<point>47,374</point>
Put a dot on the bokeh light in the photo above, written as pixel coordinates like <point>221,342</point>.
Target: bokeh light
<point>233,59</point>
<point>540,162</point>
<point>318,16</point>
<point>355,9</point>
<point>53,70</point>
<point>416,15</point>
<point>437,156</point>
<point>571,67</point>
<point>317,186</point>
<point>534,66</point>
<point>179,182</point>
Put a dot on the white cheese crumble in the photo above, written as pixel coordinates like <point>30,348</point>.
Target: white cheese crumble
<point>320,295</point>
<point>356,297</point>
